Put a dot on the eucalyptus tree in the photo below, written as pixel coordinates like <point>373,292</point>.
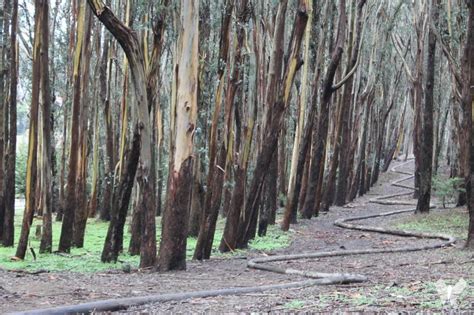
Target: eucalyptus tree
<point>172,253</point>
<point>40,97</point>
<point>7,204</point>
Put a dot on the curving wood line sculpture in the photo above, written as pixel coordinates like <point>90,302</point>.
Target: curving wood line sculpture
<point>315,278</point>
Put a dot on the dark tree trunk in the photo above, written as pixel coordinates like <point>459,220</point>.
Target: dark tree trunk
<point>172,255</point>
<point>229,239</point>
<point>9,184</point>
<point>426,154</point>
<point>173,242</point>
<point>105,78</point>
<point>197,202</point>
<point>272,128</point>
<point>269,196</point>
<point>215,176</point>
<point>468,100</point>
<point>113,244</point>
<point>31,177</point>
<point>136,227</point>
<point>345,147</point>
<point>321,132</point>
<point>47,141</point>
<point>142,138</point>
<point>4,25</point>
<point>80,183</point>
<point>209,217</point>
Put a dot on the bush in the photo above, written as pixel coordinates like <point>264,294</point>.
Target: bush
<point>447,189</point>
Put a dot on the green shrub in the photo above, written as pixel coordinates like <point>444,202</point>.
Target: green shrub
<point>447,189</point>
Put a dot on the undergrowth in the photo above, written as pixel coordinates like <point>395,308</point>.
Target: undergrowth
<point>453,222</point>
<point>87,259</point>
<point>412,296</point>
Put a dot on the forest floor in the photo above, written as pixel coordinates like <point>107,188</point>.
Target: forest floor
<point>397,281</point>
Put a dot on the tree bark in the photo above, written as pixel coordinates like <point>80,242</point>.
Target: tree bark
<point>174,233</point>
<point>129,42</point>
<point>320,133</point>
<point>66,238</point>
<point>46,159</point>
<point>4,24</point>
<point>273,123</point>
<point>423,204</point>
<point>31,175</point>
<point>208,222</point>
<point>9,184</point>
<point>345,139</point>
<point>468,100</point>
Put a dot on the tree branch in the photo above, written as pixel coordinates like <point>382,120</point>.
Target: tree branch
<point>397,44</point>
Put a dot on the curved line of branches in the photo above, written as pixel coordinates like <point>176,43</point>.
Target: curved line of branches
<point>315,278</point>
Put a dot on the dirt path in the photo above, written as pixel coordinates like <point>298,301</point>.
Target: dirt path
<point>396,281</point>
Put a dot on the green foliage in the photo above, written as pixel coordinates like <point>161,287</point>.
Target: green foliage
<point>409,295</point>
<point>20,167</point>
<point>282,199</point>
<point>295,304</point>
<point>274,239</point>
<point>87,259</point>
<point>447,189</point>
<point>452,222</point>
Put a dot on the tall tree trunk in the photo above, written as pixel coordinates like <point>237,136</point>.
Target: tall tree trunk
<point>174,233</point>
<point>273,124</point>
<point>345,139</point>
<point>4,24</point>
<point>423,204</point>
<point>269,184</point>
<point>142,139</point>
<point>294,182</point>
<point>71,205</point>
<point>46,158</point>
<point>468,100</point>
<point>80,211</point>
<point>104,95</point>
<point>31,171</point>
<point>9,184</point>
<point>320,133</point>
<point>208,225</point>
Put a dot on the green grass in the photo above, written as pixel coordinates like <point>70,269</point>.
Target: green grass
<point>294,304</point>
<point>453,222</point>
<point>416,295</point>
<point>87,259</point>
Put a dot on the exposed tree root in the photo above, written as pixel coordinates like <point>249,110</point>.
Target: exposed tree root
<point>317,278</point>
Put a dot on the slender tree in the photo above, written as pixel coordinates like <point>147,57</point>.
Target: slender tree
<point>468,102</point>
<point>31,176</point>
<point>427,131</point>
<point>140,163</point>
<point>9,184</point>
<point>313,195</point>
<point>273,126</point>
<point>46,152</point>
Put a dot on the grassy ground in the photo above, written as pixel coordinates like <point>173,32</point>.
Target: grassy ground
<point>87,259</point>
<point>416,295</point>
<point>450,221</point>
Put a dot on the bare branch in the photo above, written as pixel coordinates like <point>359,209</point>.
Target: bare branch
<point>453,66</point>
<point>397,44</point>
